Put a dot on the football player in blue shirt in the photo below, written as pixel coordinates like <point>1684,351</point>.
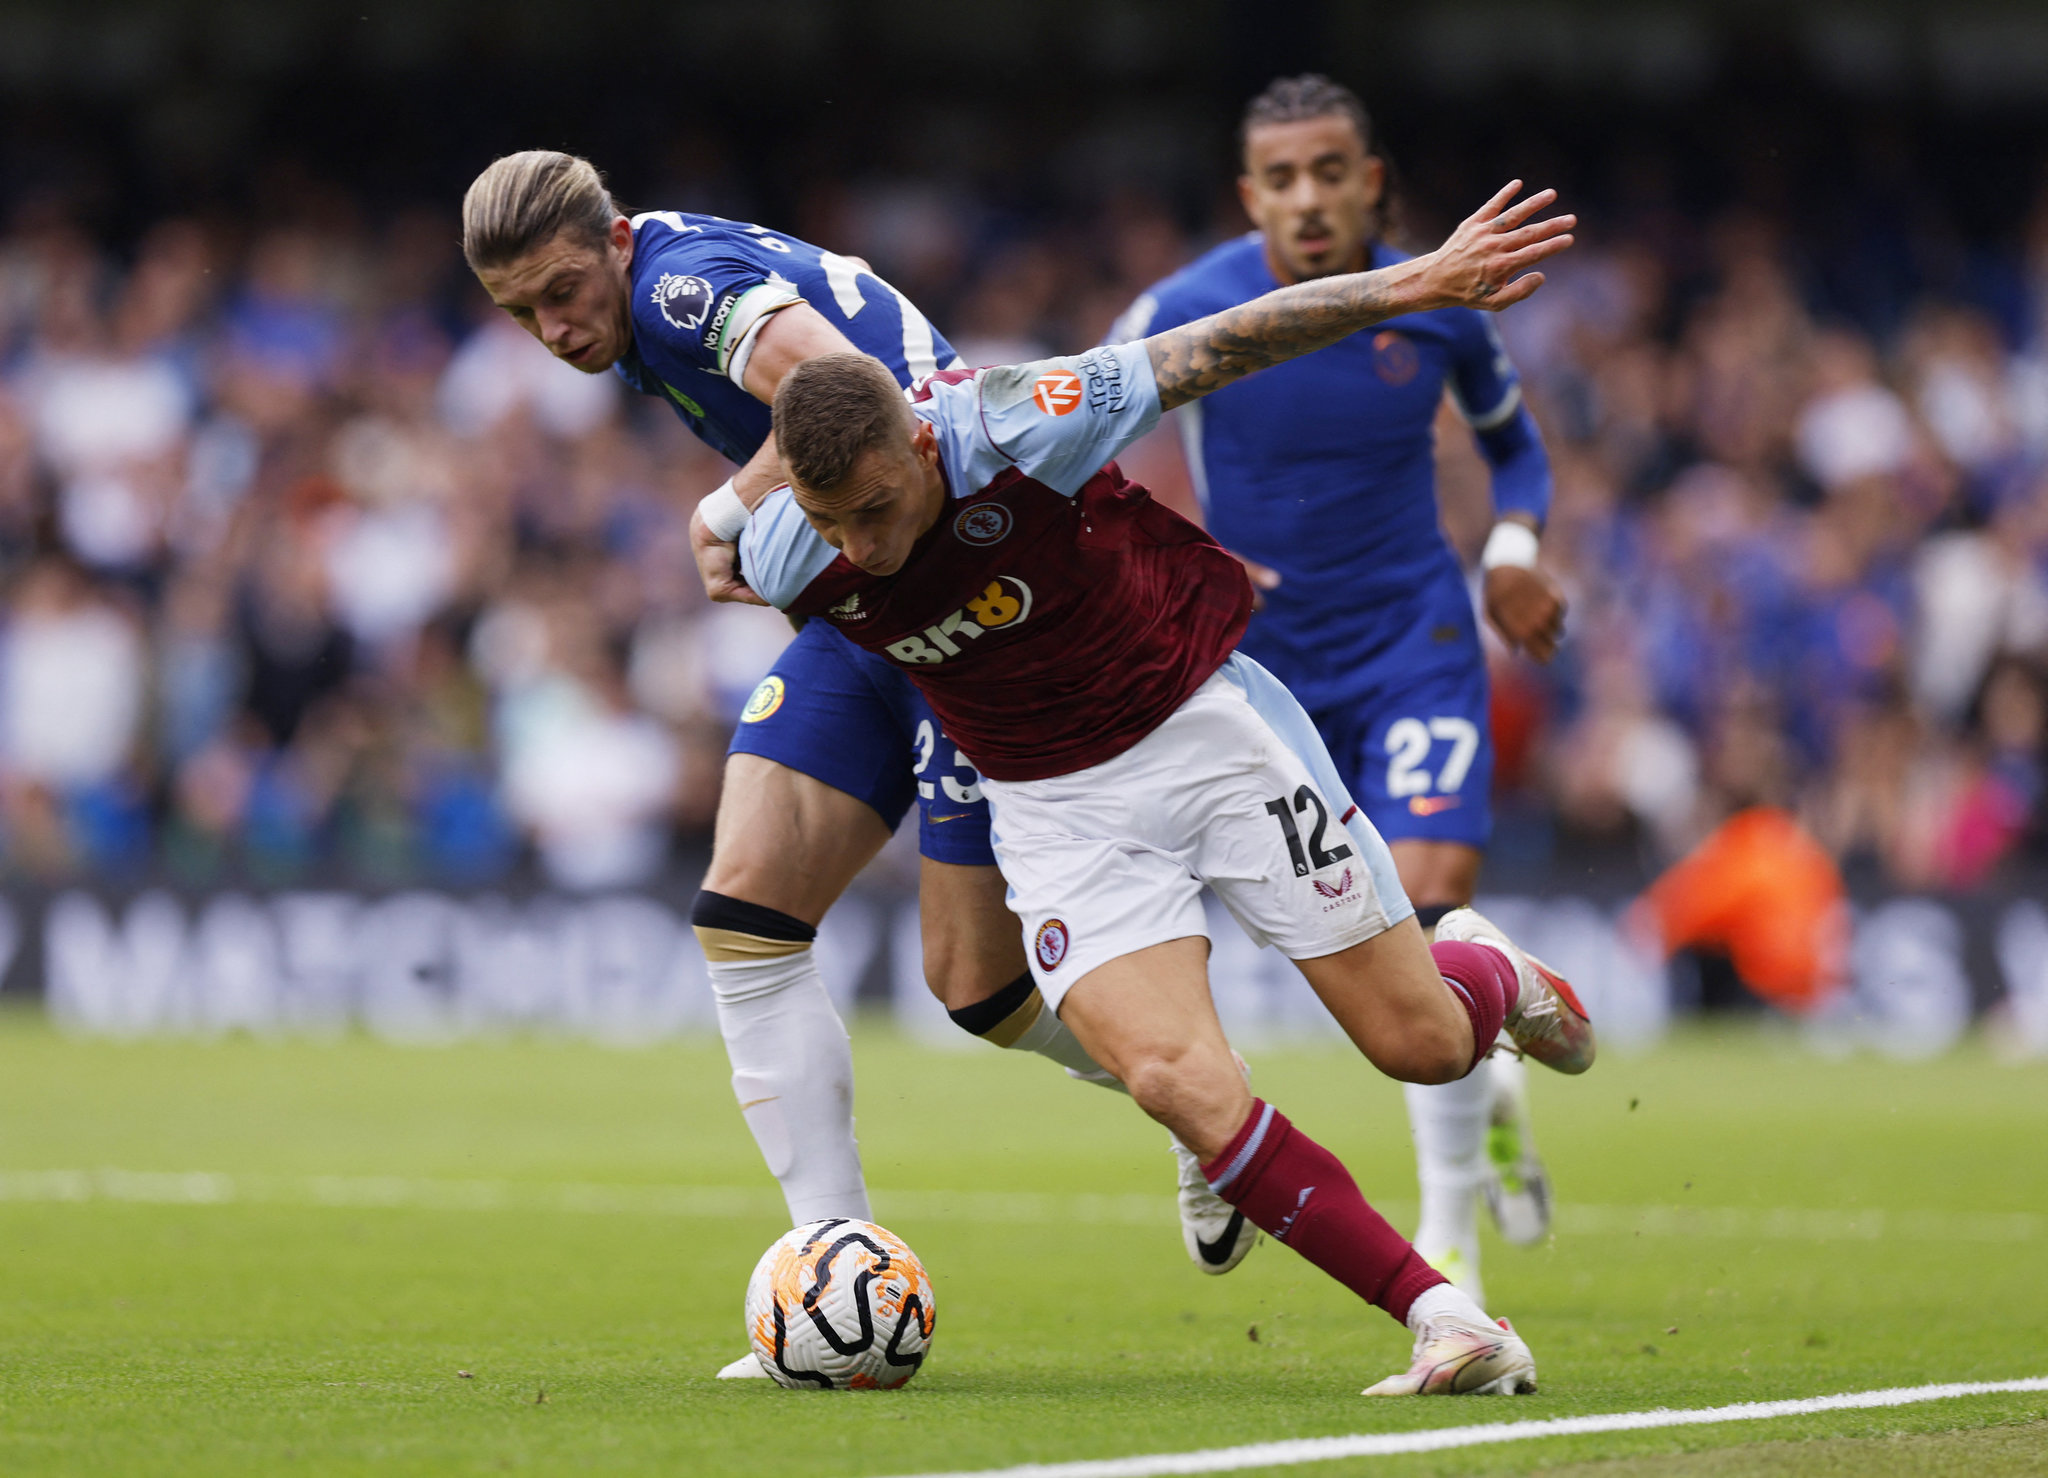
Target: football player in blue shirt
<point>1320,474</point>
<point>835,743</point>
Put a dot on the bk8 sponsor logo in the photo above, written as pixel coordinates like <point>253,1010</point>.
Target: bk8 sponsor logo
<point>1006,601</point>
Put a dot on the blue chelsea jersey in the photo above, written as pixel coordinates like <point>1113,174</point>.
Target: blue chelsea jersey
<point>703,286</point>
<point>1324,469</point>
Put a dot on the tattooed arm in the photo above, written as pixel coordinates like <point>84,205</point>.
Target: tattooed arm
<point>1474,269</point>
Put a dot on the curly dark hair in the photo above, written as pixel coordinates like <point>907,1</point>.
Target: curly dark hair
<point>1311,95</point>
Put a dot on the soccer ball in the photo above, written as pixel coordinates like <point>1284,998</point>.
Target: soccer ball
<point>840,1305</point>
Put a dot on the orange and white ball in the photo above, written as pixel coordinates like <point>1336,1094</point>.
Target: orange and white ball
<point>840,1305</point>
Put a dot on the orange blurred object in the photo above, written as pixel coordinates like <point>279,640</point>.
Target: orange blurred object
<point>1766,894</point>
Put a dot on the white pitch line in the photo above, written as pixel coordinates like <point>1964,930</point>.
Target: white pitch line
<point>431,1193</point>
<point>1388,1444</point>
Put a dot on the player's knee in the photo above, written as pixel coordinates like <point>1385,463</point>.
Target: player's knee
<point>1157,1084</point>
<point>747,946</point>
<point>1177,1084</point>
<point>957,975</point>
<point>1000,1018</point>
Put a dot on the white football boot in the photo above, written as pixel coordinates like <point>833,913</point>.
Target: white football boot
<point>1517,1188</point>
<point>1548,1023</point>
<point>747,1367</point>
<point>1215,1232</point>
<point>1461,1357</point>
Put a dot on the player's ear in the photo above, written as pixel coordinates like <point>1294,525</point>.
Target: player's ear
<point>622,238</point>
<point>924,441</point>
<point>1244,197</point>
<point>1375,180</point>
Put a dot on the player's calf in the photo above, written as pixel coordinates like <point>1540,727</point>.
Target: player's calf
<point>792,1066</point>
<point>1393,1000</point>
<point>1301,1194</point>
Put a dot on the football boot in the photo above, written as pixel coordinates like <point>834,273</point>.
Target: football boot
<point>1517,1188</point>
<point>1456,1357</point>
<point>1215,1232</point>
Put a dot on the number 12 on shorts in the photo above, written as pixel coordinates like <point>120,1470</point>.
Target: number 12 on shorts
<point>1409,741</point>
<point>1314,858</point>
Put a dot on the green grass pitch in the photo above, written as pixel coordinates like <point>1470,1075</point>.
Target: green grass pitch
<point>1814,1227</point>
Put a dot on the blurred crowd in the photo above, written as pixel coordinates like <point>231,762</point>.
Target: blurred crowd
<point>312,567</point>
<point>1807,553</point>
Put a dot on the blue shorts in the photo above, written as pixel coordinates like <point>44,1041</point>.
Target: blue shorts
<point>1417,751</point>
<point>829,710</point>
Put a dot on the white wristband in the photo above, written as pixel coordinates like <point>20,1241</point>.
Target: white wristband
<point>724,514</point>
<point>1510,543</point>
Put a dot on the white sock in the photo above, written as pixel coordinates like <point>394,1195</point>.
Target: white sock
<point>1449,1122</point>
<point>1444,1300</point>
<point>792,1072</point>
<point>1049,1038</point>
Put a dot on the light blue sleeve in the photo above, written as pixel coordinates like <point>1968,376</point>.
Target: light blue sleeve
<point>1059,420</point>
<point>780,553</point>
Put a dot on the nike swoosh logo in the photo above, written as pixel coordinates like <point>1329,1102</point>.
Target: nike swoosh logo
<point>756,1102</point>
<point>1429,805</point>
<point>1217,1253</point>
<point>956,816</point>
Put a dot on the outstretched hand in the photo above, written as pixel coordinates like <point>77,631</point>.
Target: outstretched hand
<point>1477,267</point>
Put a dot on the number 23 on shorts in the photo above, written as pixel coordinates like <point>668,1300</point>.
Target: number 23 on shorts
<point>1409,741</point>
<point>927,745</point>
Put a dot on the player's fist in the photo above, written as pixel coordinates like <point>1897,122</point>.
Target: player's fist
<point>718,565</point>
<point>1526,608</point>
<point>1486,262</point>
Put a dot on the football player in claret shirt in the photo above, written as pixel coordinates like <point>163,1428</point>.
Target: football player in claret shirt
<point>1323,472</point>
<point>1077,639</point>
<point>709,315</point>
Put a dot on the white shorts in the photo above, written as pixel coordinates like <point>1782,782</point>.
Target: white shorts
<point>1235,790</point>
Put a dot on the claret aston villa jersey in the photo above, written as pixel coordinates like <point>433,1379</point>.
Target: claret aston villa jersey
<point>702,287</point>
<point>1055,614</point>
